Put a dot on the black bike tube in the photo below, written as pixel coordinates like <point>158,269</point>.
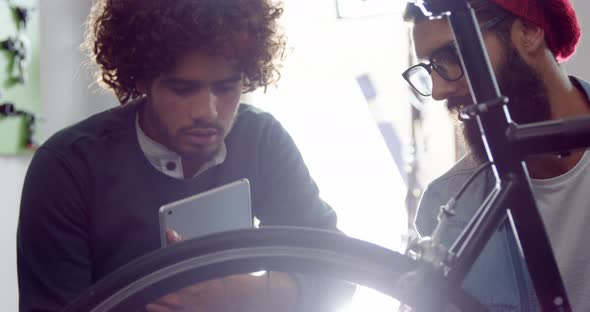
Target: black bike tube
<point>493,125</point>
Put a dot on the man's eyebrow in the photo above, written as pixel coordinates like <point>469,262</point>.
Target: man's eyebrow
<point>180,81</point>
<point>446,45</point>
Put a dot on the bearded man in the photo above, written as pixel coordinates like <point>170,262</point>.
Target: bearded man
<point>526,40</point>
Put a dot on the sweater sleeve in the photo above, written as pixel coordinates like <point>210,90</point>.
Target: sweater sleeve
<point>52,241</point>
<point>290,196</point>
<point>292,199</point>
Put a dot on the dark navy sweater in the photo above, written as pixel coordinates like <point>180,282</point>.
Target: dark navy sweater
<point>90,199</point>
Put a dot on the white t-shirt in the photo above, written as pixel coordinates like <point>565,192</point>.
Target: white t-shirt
<point>564,204</point>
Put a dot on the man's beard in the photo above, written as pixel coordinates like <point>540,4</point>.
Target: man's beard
<point>207,153</point>
<point>523,85</point>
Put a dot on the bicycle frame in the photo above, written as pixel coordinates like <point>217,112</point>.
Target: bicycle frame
<point>502,137</point>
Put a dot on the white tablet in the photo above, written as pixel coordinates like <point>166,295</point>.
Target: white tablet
<point>224,208</point>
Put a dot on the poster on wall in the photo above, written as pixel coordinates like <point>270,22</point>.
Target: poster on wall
<point>20,91</point>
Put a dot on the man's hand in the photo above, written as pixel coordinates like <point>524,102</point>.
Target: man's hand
<point>274,291</point>
<point>206,296</point>
<point>172,236</point>
<point>244,292</point>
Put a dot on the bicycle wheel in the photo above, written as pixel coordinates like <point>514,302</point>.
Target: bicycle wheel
<point>286,249</point>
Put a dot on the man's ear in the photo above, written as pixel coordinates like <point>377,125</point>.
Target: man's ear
<point>529,39</point>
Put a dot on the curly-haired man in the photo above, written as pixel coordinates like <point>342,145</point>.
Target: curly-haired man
<point>92,192</point>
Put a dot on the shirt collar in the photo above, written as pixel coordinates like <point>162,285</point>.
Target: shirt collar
<point>167,161</point>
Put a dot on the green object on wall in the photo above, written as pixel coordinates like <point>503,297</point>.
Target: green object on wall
<point>25,96</point>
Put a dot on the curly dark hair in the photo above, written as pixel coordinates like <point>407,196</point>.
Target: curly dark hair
<point>137,40</point>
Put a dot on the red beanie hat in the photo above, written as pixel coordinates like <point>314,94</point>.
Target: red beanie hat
<point>556,17</point>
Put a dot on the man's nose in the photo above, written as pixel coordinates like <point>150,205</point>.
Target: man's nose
<point>441,88</point>
<point>204,105</point>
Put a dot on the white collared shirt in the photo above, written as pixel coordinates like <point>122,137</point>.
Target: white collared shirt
<point>167,161</point>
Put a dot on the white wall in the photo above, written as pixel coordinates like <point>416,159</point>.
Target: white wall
<point>322,107</point>
<point>67,89</point>
<point>13,171</point>
<point>579,64</point>
<point>66,99</point>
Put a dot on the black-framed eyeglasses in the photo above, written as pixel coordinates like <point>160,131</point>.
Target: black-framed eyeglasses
<point>445,61</point>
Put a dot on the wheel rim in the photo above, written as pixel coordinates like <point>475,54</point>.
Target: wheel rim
<point>286,249</point>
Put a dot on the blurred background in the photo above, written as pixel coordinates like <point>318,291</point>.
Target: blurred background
<point>370,144</point>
